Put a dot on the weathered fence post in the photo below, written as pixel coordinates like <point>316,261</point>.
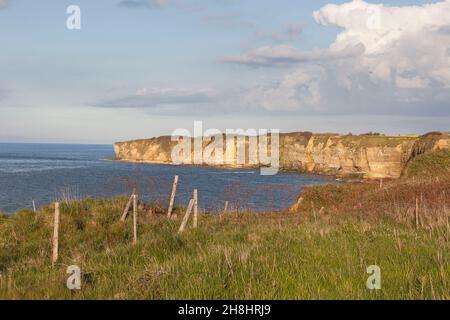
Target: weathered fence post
<point>445,205</point>
<point>321,210</point>
<point>314,211</point>
<point>186,216</point>
<point>422,209</point>
<point>135,219</point>
<point>56,234</point>
<point>10,282</point>
<point>34,206</point>
<point>225,208</point>
<point>127,207</point>
<point>381,183</point>
<point>195,208</point>
<point>172,196</point>
<point>417,212</point>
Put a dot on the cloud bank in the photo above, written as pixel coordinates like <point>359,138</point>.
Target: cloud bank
<point>289,33</point>
<point>402,44</point>
<point>284,55</point>
<point>385,60</point>
<point>157,97</point>
<point>143,3</point>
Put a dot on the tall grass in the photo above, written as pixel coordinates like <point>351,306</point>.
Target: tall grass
<point>264,256</point>
<point>433,164</point>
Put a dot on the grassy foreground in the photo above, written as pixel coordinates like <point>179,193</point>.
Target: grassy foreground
<point>245,257</point>
<point>320,249</point>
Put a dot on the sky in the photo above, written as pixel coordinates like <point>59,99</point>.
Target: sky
<point>143,68</point>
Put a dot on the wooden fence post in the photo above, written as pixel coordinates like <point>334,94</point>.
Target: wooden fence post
<point>127,207</point>
<point>10,282</point>
<point>172,196</point>
<point>445,205</point>
<point>56,234</point>
<point>135,219</point>
<point>34,206</point>
<point>417,212</point>
<point>314,211</point>
<point>422,209</point>
<point>186,216</point>
<point>195,208</point>
<point>225,208</point>
<point>321,210</point>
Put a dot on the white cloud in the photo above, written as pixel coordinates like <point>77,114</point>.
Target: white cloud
<point>299,90</point>
<point>380,50</point>
<point>289,33</point>
<point>411,83</point>
<point>400,42</point>
<point>284,55</point>
<point>226,21</point>
<point>142,92</point>
<point>143,3</point>
<point>156,97</point>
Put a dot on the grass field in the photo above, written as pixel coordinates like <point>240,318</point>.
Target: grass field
<point>320,249</point>
<point>249,257</point>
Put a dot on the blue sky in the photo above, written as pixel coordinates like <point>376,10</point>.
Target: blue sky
<point>144,68</point>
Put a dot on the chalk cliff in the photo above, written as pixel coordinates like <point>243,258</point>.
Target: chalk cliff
<point>369,156</point>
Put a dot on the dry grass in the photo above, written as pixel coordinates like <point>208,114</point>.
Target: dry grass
<point>424,189</point>
<point>395,200</point>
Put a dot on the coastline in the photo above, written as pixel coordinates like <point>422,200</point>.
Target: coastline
<point>357,157</point>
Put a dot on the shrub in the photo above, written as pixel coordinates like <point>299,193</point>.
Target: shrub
<point>436,163</point>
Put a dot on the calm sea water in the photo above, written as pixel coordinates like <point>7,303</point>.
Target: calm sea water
<point>48,172</point>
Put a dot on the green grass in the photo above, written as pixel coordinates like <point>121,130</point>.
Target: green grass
<point>266,256</point>
<point>436,163</point>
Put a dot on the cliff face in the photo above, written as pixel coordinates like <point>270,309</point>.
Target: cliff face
<point>367,156</point>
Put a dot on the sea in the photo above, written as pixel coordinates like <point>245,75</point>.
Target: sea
<point>45,173</point>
